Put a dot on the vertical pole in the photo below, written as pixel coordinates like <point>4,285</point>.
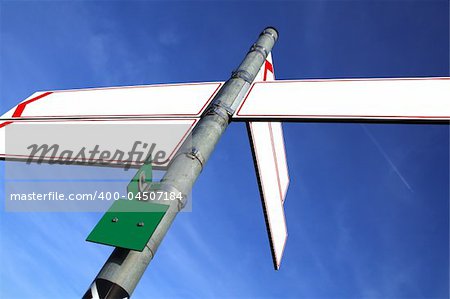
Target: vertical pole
<point>124,268</point>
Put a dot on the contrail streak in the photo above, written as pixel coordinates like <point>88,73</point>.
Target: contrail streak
<point>385,155</point>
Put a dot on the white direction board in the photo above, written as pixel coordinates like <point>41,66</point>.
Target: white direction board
<point>148,101</point>
<point>279,154</point>
<point>266,139</point>
<point>269,181</point>
<point>118,142</point>
<point>267,143</point>
<point>361,99</point>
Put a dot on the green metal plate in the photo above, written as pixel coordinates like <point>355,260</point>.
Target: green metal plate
<point>128,224</point>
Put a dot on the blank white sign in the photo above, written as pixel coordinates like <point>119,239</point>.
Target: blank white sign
<point>363,99</point>
<point>167,100</point>
<point>273,180</point>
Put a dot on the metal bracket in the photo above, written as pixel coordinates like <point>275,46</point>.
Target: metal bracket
<point>238,100</point>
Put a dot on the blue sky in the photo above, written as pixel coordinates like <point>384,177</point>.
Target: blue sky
<point>368,205</point>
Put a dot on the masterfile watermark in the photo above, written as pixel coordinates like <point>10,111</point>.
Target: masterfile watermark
<point>85,166</point>
<point>54,154</point>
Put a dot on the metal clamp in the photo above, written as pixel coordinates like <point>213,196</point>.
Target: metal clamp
<point>243,74</point>
<point>269,33</point>
<point>223,112</point>
<point>195,154</point>
<point>228,110</point>
<point>260,49</point>
<point>171,189</point>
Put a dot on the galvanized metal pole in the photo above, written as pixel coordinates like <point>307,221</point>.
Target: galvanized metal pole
<point>124,268</point>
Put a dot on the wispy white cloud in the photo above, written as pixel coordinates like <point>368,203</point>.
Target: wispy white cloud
<point>387,158</point>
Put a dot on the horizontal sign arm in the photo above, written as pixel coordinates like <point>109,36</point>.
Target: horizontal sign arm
<point>397,100</point>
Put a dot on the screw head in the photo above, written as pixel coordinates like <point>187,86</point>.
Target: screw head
<point>115,219</point>
<point>140,224</point>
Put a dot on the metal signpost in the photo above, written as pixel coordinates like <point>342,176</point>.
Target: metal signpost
<point>124,268</point>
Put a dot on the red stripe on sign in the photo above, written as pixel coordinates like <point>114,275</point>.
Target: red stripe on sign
<point>19,110</point>
<point>5,124</point>
<point>267,67</point>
